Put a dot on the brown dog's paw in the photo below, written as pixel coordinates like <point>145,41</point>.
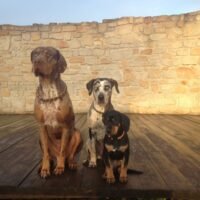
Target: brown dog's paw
<point>110,180</point>
<point>123,179</point>
<point>73,165</point>
<point>59,170</point>
<point>44,173</point>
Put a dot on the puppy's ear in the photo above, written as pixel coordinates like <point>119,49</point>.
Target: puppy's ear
<point>61,62</point>
<point>125,122</point>
<point>89,86</point>
<point>114,83</point>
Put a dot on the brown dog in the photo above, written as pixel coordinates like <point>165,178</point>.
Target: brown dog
<point>53,110</point>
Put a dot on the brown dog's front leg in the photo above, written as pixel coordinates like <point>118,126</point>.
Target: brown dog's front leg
<point>60,167</point>
<point>45,165</point>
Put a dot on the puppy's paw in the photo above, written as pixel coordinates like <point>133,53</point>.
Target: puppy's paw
<point>110,180</point>
<point>59,170</point>
<point>123,179</point>
<point>44,172</point>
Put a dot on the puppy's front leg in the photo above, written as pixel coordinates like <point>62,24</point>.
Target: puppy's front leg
<point>123,172</point>
<point>45,165</point>
<point>60,166</point>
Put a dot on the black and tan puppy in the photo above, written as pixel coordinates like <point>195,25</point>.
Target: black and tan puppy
<point>116,145</point>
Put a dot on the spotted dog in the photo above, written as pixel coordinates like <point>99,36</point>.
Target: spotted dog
<point>101,88</point>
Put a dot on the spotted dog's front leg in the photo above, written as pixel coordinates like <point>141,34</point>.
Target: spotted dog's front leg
<point>91,147</point>
<point>60,166</point>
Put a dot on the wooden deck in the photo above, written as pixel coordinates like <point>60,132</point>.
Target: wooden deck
<point>165,147</point>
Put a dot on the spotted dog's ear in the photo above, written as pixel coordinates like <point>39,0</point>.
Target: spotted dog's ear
<point>125,122</point>
<point>61,62</point>
<point>89,86</point>
<point>114,83</point>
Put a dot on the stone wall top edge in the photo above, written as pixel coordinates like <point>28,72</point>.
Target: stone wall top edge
<point>129,19</point>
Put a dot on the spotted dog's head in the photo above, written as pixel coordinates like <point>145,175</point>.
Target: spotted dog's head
<point>47,62</point>
<point>115,122</point>
<point>102,89</point>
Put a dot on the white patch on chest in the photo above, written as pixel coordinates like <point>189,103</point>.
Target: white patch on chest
<point>49,108</point>
<point>96,124</point>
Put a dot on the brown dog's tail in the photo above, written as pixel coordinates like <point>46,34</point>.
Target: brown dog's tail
<point>133,171</point>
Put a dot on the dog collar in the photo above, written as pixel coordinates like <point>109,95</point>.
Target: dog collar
<point>51,99</point>
<point>121,136</point>
<point>97,110</point>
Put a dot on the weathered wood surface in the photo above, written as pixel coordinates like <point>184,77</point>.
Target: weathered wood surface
<point>165,147</point>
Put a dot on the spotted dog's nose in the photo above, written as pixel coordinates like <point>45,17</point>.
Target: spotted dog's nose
<point>101,97</point>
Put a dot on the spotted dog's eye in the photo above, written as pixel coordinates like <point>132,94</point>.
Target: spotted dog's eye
<point>96,89</point>
<point>107,87</point>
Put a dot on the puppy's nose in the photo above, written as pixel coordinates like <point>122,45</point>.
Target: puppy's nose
<point>101,97</point>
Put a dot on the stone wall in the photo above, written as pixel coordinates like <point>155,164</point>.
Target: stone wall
<point>156,61</point>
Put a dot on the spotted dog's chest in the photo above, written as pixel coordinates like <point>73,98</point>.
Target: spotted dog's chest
<point>96,124</point>
<point>95,120</point>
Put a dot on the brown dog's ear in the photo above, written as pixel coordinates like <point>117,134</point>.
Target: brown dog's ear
<point>125,122</point>
<point>114,83</point>
<point>89,86</point>
<point>61,62</point>
<point>32,53</point>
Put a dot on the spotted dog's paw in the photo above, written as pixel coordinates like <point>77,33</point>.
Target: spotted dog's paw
<point>92,164</point>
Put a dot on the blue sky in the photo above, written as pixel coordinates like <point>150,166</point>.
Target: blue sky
<point>27,12</point>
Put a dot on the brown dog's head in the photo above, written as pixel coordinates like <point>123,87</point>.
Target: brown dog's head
<point>47,62</point>
<point>115,123</point>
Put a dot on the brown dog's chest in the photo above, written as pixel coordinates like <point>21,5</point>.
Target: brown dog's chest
<point>53,106</point>
<point>50,112</point>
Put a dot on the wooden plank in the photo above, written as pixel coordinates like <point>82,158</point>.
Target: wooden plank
<point>193,118</point>
<point>18,161</point>
<point>15,122</point>
<point>186,132</point>
<point>5,132</point>
<point>166,169</point>
<point>174,150</point>
<point>9,119</point>
<point>152,151</point>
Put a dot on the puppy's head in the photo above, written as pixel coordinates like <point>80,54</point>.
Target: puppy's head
<point>115,122</point>
<point>47,62</point>
<point>102,89</point>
